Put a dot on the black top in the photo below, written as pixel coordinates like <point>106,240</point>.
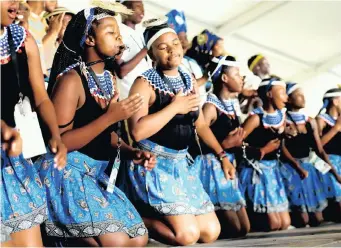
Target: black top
<point>100,147</point>
<point>261,136</point>
<point>10,88</point>
<point>300,145</point>
<point>221,128</point>
<point>334,145</point>
<point>178,133</point>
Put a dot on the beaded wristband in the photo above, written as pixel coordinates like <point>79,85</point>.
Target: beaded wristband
<point>222,157</point>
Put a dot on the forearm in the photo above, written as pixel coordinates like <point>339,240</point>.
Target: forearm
<point>328,136</point>
<point>47,113</point>
<point>151,124</point>
<point>324,156</point>
<point>127,151</point>
<point>291,159</point>
<point>75,139</point>
<point>50,38</point>
<point>128,66</point>
<point>209,139</point>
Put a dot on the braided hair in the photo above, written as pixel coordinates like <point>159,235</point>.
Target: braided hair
<point>72,48</point>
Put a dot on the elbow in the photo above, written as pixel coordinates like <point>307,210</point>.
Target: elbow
<point>137,135</point>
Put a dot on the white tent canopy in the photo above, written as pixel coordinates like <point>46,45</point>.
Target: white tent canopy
<point>301,39</point>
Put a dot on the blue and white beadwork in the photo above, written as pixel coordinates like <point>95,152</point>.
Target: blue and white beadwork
<point>154,79</point>
<point>297,117</point>
<point>105,79</point>
<point>19,36</point>
<point>226,106</point>
<point>274,120</point>
<point>328,119</point>
<point>257,111</point>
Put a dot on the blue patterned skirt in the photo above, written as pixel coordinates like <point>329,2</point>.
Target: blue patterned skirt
<point>224,194</point>
<point>78,203</point>
<point>262,186</point>
<point>23,199</point>
<point>331,187</point>
<point>305,195</point>
<point>171,188</point>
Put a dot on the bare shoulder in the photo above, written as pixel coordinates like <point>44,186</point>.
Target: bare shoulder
<point>68,82</point>
<point>252,120</point>
<point>141,83</point>
<point>209,107</point>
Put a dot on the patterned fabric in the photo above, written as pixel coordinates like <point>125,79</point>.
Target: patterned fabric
<point>257,111</point>
<point>263,188</point>
<point>297,117</point>
<point>105,79</point>
<point>177,21</point>
<point>224,194</point>
<point>19,36</point>
<point>206,41</point>
<point>171,188</point>
<point>226,106</point>
<point>331,187</point>
<point>80,206</point>
<point>23,200</point>
<point>274,120</point>
<point>5,234</point>
<point>308,194</point>
<point>328,119</point>
<point>157,82</point>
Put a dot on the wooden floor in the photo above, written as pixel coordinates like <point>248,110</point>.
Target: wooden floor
<point>327,235</point>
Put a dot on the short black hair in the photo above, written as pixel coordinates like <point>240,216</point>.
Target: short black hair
<point>128,4</point>
<point>249,62</point>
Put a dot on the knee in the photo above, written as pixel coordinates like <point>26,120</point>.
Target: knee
<point>274,224</point>
<point>244,230</point>
<point>305,220</point>
<point>211,232</point>
<point>188,235</point>
<point>140,241</point>
<point>285,222</point>
<point>317,220</point>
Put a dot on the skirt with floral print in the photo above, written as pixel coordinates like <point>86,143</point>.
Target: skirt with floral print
<point>306,195</point>
<point>263,187</point>
<point>332,188</point>
<point>171,188</point>
<point>78,203</point>
<point>23,199</point>
<point>224,194</point>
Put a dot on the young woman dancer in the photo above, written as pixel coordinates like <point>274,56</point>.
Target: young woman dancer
<point>330,131</point>
<point>220,114</point>
<point>260,178</point>
<point>23,204</point>
<point>83,205</point>
<point>304,188</point>
<point>165,125</point>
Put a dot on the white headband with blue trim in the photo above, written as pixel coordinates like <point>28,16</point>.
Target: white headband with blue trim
<point>332,94</point>
<point>293,88</point>
<point>220,62</point>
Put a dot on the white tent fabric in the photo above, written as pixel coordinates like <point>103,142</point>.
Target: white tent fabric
<point>301,39</point>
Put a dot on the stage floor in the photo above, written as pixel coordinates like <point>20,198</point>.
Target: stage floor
<point>327,235</point>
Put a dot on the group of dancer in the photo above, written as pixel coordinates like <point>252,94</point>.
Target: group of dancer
<point>193,173</point>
